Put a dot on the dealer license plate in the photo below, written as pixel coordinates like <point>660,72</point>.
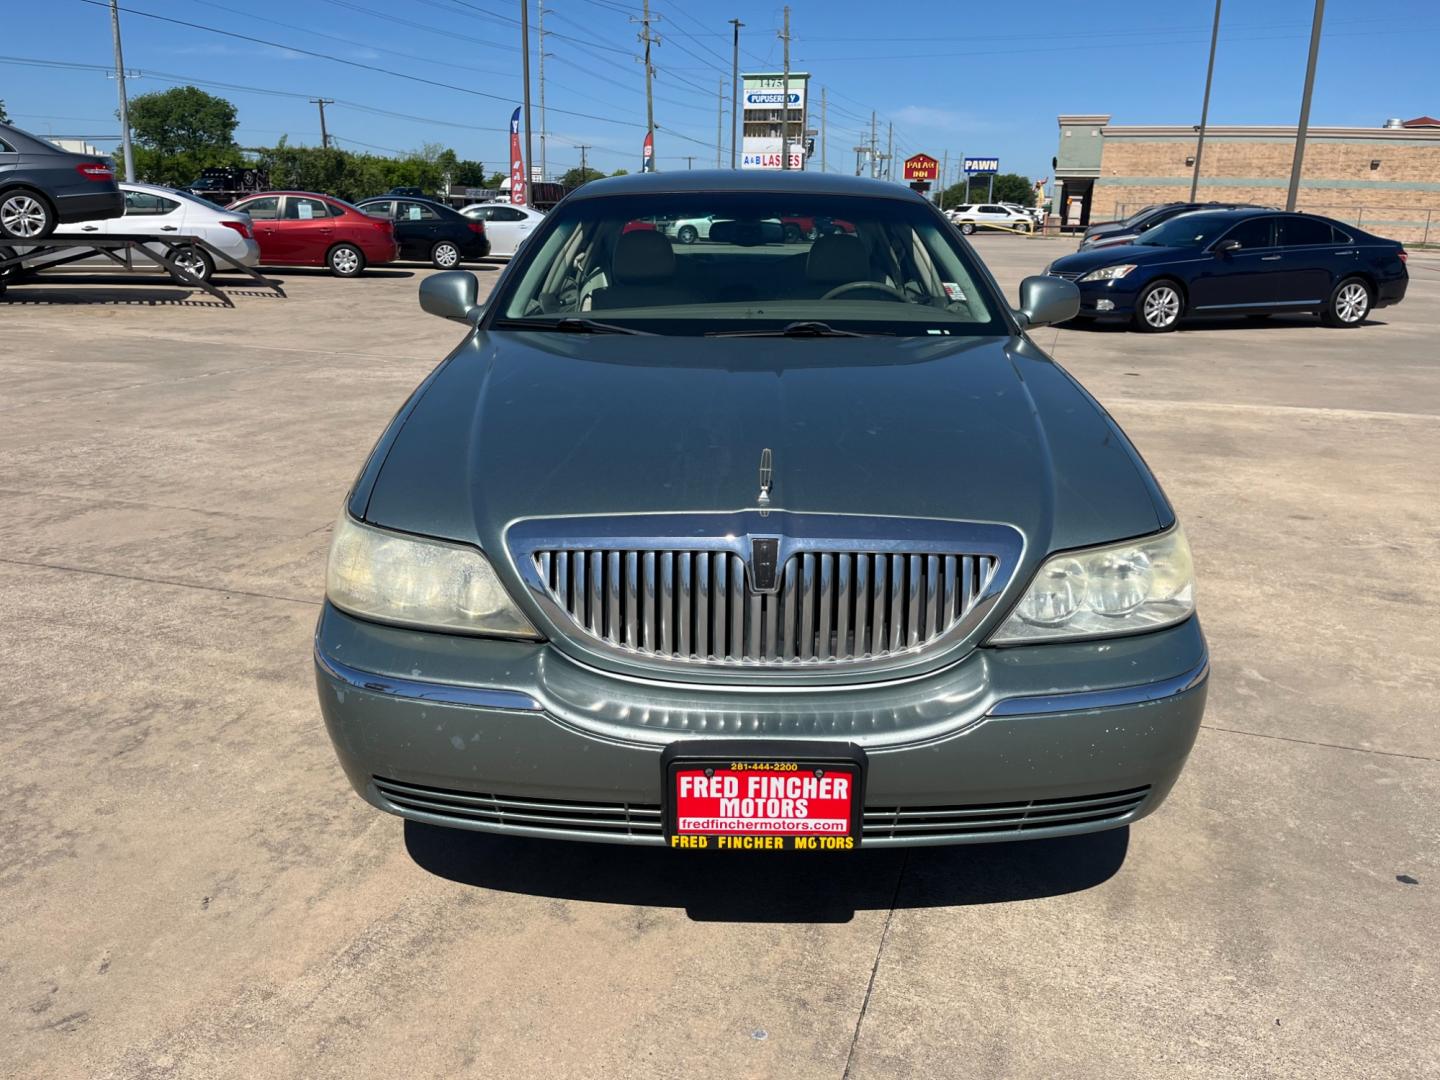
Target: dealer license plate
<point>744,796</point>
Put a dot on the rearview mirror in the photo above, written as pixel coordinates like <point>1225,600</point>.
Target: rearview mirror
<point>1046,300</point>
<point>452,295</point>
<point>1225,247</point>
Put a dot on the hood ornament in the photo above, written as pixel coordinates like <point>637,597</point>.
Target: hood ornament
<point>767,473</point>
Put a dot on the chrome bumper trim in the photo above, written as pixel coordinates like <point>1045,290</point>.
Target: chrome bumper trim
<point>1082,700</point>
<point>415,690</point>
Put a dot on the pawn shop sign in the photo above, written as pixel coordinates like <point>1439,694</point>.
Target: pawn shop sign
<point>922,167</point>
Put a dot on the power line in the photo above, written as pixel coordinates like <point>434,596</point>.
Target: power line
<point>351,63</point>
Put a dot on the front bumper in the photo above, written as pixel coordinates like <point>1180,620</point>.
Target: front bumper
<point>512,737</point>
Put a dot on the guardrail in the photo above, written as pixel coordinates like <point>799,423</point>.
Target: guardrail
<point>12,259</point>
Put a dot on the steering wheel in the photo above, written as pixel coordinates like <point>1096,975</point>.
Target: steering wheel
<point>878,286</point>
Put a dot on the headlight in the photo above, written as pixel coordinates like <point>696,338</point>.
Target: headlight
<point>1117,589</point>
<point>403,579</point>
<point>1109,273</point>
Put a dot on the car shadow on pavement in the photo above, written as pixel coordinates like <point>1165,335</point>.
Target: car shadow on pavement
<point>279,273</point>
<point>1212,322</point>
<point>778,887</point>
<point>137,294</point>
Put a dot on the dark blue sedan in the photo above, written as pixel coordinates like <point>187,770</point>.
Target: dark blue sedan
<point>1238,262</point>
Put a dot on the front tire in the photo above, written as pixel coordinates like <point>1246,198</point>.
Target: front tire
<point>967,228</point>
<point>346,260</point>
<point>688,234</point>
<point>445,256</point>
<point>792,234</point>
<point>26,215</point>
<point>1158,307</point>
<point>1349,305</point>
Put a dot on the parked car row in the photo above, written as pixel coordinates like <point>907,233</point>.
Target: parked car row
<point>46,191</point>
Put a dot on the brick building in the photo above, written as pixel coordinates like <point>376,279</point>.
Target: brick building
<point>1384,179</point>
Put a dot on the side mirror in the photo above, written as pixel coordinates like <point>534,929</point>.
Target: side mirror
<point>1225,247</point>
<point>1046,300</point>
<point>452,295</point>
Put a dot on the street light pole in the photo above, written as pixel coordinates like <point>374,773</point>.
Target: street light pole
<point>1205,105</point>
<point>785,97</point>
<point>129,153</point>
<point>525,74</point>
<point>1304,125</point>
<point>734,90</point>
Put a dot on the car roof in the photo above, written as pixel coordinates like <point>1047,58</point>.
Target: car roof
<point>306,194</point>
<point>778,181</point>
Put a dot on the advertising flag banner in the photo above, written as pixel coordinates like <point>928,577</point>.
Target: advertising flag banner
<point>647,155</point>
<point>517,165</point>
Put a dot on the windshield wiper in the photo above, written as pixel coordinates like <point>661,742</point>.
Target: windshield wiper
<point>571,324</point>
<point>805,328</point>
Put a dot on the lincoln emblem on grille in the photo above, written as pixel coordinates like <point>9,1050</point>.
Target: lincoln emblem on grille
<point>766,474</point>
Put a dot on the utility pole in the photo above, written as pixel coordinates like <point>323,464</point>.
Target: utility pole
<point>525,74</point>
<point>785,97</point>
<point>874,149</point>
<point>1304,125</point>
<point>890,153</point>
<point>734,90</point>
<point>1205,104</point>
<point>649,39</point>
<point>689,161</point>
<point>324,132</point>
<point>719,120</point>
<point>540,40</point>
<point>582,147</point>
<point>824,162</point>
<point>859,158</point>
<point>940,187</point>
<point>129,153</point>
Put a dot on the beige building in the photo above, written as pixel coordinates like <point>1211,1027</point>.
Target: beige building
<point>1384,179</point>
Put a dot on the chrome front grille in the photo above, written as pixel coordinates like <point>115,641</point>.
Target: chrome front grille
<point>1000,819</point>
<point>698,605</point>
<point>1068,275</point>
<point>513,811</point>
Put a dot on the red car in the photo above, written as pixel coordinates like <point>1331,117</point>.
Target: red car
<point>300,228</point>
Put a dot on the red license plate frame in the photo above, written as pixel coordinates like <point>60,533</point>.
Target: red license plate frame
<point>734,796</point>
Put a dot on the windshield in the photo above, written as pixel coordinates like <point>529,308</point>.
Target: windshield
<point>718,262</point>
<point>1187,231</point>
<point>190,195</point>
<point>1141,214</point>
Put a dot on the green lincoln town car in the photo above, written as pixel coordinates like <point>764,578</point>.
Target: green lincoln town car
<point>781,539</point>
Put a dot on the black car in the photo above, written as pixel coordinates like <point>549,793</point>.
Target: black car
<point>1250,262</point>
<point>1125,232</point>
<point>426,229</point>
<point>42,186</point>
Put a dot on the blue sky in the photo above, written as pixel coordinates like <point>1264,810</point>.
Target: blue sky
<point>968,84</point>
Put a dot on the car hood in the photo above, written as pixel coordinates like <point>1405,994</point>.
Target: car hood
<point>521,425</point>
<point>1098,231</point>
<point>1115,254</point>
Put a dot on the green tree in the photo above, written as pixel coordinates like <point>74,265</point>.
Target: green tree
<point>1009,187</point>
<point>178,132</point>
<point>495,179</point>
<point>4,116</point>
<point>577,176</point>
<point>621,172</point>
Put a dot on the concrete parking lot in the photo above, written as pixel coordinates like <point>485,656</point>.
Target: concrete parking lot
<point>190,889</point>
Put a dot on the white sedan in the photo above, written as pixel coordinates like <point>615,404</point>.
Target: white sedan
<point>971,216</point>
<point>151,210</point>
<point>507,226</point>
